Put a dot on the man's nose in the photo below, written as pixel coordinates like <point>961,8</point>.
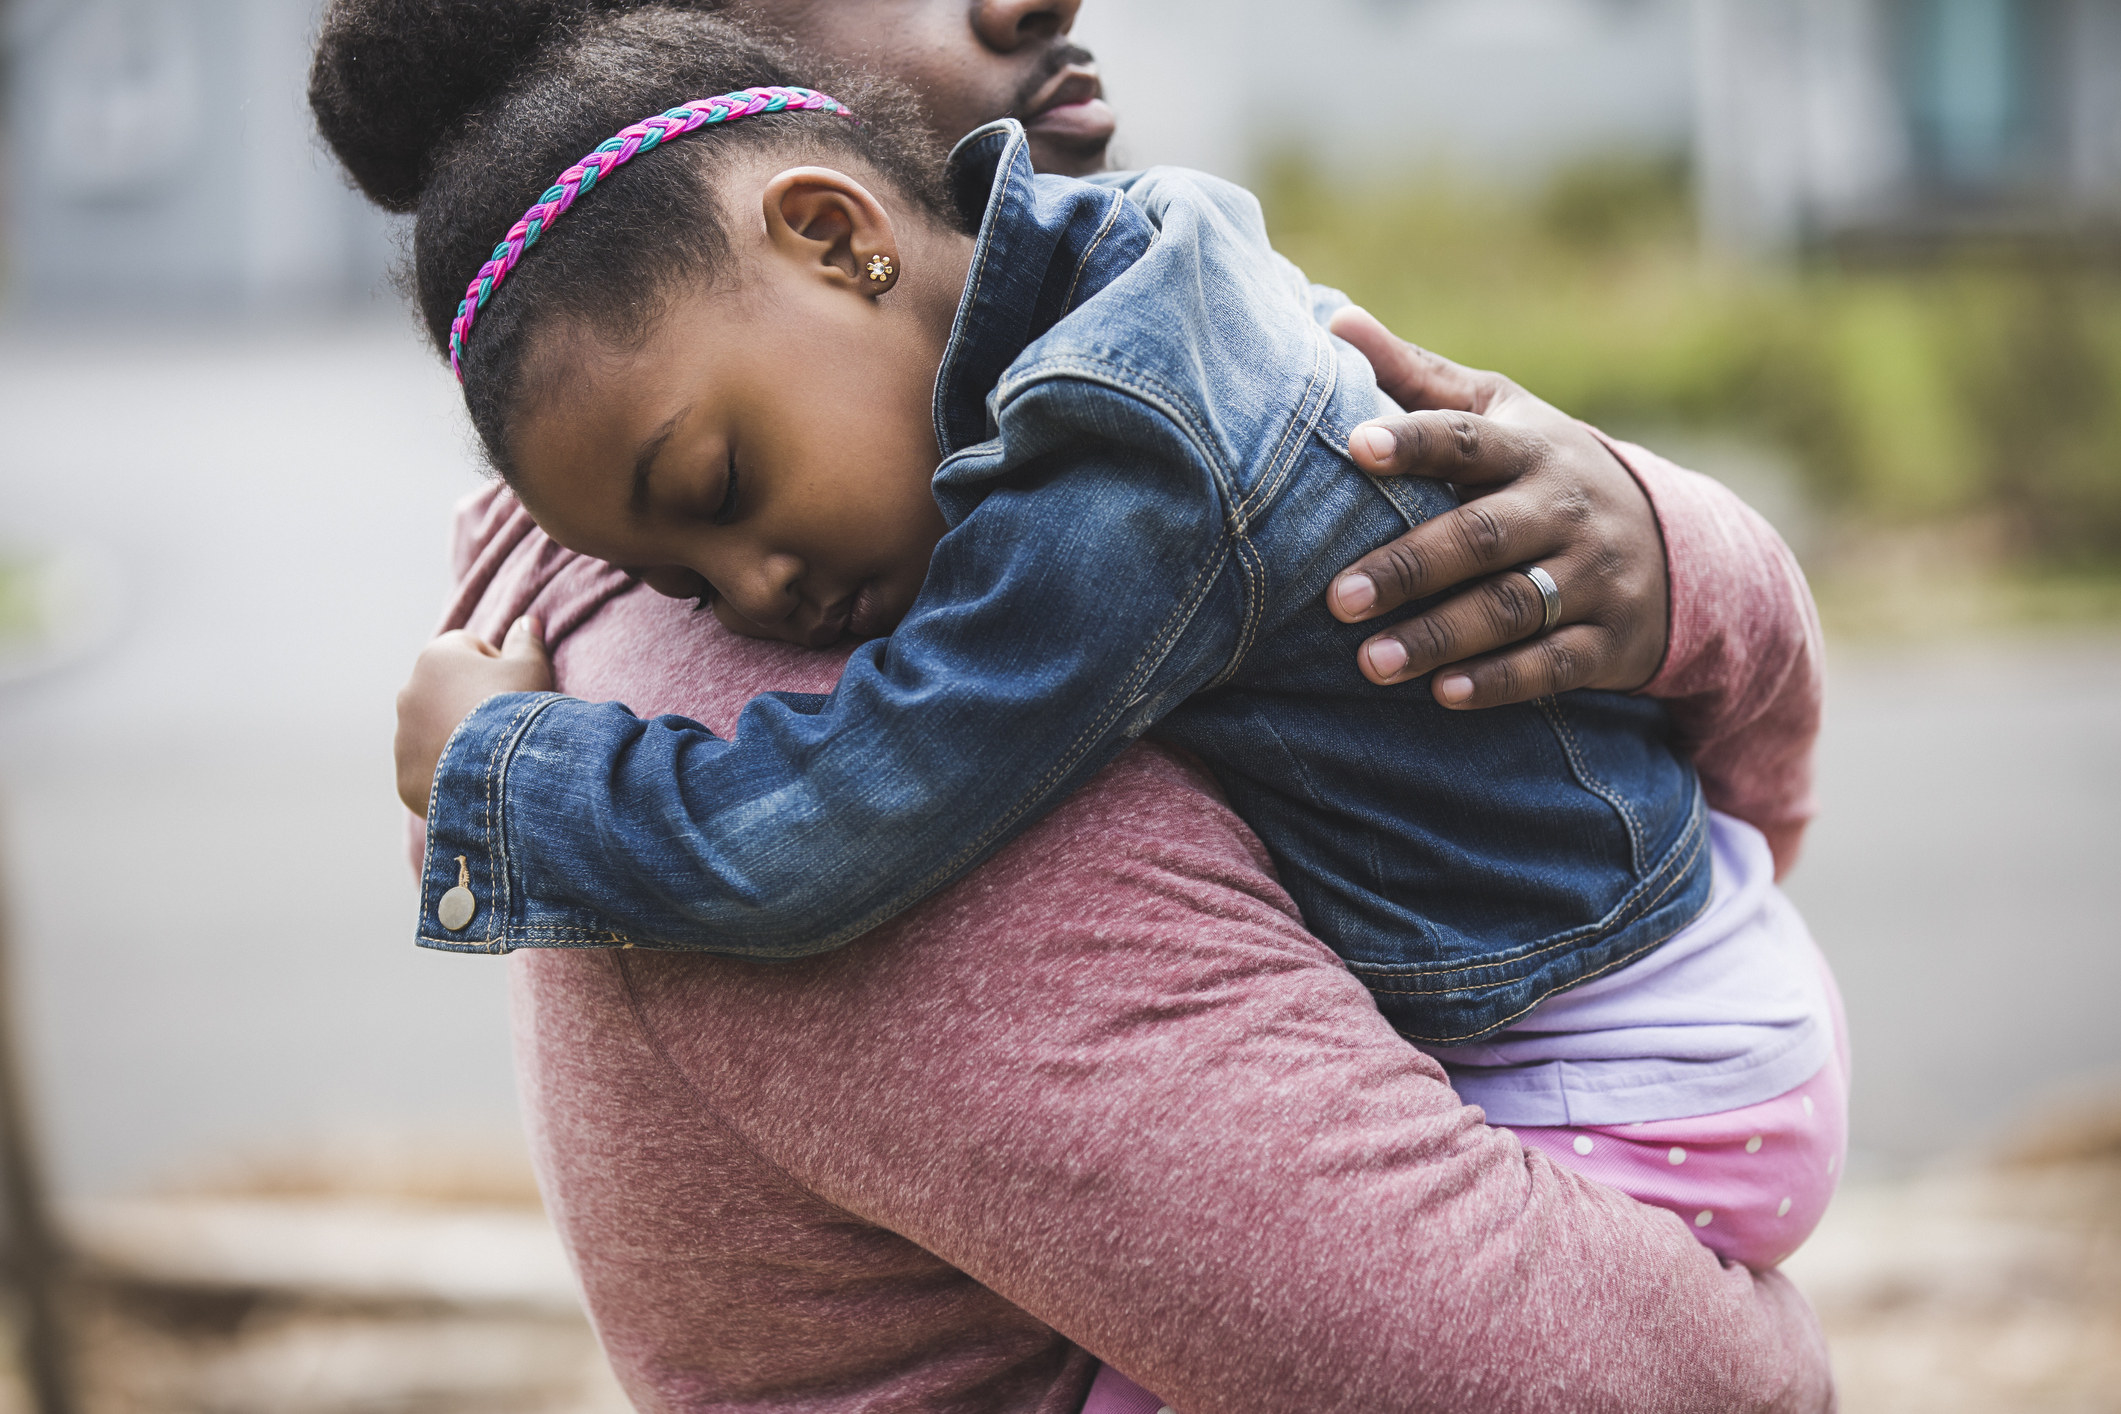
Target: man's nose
<point>1008,25</point>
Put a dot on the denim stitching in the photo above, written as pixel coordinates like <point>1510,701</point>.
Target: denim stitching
<point>1111,220</point>
<point>493,892</point>
<point>1551,710</point>
<point>1255,571</point>
<point>504,749</point>
<point>1629,910</point>
<point>981,250</point>
<point>1293,432</point>
<point>1501,1022</point>
<point>1145,387</point>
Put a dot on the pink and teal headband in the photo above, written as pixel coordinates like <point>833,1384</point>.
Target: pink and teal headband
<point>620,148</point>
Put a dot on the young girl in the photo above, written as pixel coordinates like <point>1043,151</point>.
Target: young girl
<point>733,368</point>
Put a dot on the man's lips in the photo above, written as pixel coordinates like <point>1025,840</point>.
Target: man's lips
<point>1070,106</point>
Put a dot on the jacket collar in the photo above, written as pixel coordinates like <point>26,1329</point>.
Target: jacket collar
<point>1045,245</point>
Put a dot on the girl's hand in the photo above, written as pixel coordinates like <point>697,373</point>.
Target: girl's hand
<point>1540,490</point>
<point>453,675</point>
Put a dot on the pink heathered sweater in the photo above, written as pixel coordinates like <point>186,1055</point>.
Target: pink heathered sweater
<point>1105,1094</point>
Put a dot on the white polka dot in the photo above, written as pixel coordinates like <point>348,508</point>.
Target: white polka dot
<point>1676,1157</point>
<point>1784,1210</point>
<point>1752,1145</point>
<point>1166,1409</point>
<point>1583,1144</point>
<point>1704,1218</point>
<point>1807,1099</point>
<point>1830,1164</point>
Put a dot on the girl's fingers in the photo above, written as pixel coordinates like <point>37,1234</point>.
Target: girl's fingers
<point>1483,536</point>
<point>524,640</point>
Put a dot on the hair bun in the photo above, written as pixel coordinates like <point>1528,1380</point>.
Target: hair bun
<point>394,80</point>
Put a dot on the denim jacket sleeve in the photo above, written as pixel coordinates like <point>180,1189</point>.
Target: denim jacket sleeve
<point>1085,587</point>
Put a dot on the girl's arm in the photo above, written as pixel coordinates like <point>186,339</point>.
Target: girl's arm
<point>1090,587</point>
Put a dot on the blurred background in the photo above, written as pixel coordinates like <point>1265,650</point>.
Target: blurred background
<point>1859,258</point>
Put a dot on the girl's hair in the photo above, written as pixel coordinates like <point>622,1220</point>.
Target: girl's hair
<point>463,111</point>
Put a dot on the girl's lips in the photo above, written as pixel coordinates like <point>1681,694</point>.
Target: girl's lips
<point>859,613</point>
<point>1087,121</point>
<point>865,617</point>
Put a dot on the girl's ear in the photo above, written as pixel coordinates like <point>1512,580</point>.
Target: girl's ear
<point>829,224</point>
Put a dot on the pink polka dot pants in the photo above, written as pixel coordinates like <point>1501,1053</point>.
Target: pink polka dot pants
<point>1752,1182</point>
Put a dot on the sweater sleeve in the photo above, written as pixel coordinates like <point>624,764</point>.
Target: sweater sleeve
<point>1744,667</point>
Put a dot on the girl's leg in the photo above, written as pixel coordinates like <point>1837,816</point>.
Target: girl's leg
<point>1752,1182</point>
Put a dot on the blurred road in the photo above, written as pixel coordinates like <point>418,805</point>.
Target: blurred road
<point>204,852</point>
<point>203,844</point>
<point>1958,879</point>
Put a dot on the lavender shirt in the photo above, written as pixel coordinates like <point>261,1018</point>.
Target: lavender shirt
<point>1730,1012</point>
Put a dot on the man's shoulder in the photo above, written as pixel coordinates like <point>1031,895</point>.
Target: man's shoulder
<point>503,566</point>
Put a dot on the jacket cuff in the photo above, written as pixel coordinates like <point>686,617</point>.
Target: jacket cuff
<point>468,898</point>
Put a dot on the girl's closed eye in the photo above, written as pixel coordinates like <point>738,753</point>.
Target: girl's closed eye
<point>726,511</point>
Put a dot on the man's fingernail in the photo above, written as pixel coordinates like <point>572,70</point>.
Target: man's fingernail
<point>1455,688</point>
<point>1379,443</point>
<point>1355,593</point>
<point>1387,656</point>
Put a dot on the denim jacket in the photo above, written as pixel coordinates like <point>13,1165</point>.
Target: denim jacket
<point>1143,425</point>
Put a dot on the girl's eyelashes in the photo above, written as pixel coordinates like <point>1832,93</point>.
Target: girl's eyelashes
<point>726,511</point>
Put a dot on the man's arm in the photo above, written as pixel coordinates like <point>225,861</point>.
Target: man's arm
<point>1670,584</point>
<point>1108,1077</point>
<point>1745,675</point>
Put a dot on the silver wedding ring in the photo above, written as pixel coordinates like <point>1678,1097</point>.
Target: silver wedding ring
<point>1549,595</point>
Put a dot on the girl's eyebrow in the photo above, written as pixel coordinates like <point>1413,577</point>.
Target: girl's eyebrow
<point>644,458</point>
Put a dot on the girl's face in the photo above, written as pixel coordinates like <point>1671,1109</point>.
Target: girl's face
<point>771,441</point>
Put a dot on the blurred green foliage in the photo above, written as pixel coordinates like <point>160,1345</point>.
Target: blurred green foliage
<point>1956,384</point>
<point>19,616</point>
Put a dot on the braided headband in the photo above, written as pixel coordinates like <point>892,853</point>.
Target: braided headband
<point>620,148</point>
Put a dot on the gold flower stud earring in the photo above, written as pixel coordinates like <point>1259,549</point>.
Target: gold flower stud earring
<point>881,270</point>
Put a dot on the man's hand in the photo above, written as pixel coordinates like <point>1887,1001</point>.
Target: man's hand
<point>454,674</point>
<point>1540,490</point>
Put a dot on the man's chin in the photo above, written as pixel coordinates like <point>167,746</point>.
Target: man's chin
<point>1067,158</point>
<point>1072,140</point>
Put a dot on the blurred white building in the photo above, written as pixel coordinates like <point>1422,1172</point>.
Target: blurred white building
<point>1496,90</point>
<point>1904,119</point>
<point>162,159</point>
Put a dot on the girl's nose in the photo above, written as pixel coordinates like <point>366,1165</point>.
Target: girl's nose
<point>1007,25</point>
<point>763,591</point>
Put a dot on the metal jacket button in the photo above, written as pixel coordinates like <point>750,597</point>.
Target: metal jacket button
<point>458,905</point>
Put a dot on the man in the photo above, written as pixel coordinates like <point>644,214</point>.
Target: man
<point>1104,1090</point>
